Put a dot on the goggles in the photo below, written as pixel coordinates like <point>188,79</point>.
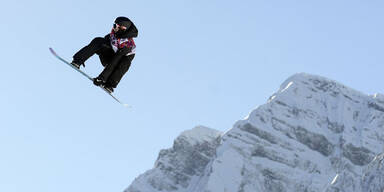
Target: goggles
<point>120,27</point>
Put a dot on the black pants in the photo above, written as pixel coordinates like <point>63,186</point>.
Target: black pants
<point>115,65</point>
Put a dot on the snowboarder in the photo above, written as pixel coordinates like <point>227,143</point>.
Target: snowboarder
<point>116,52</point>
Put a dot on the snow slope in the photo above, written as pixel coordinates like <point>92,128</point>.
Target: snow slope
<point>313,134</point>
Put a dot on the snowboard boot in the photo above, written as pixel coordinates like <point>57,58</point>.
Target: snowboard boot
<point>109,89</point>
<point>98,81</point>
<point>108,86</point>
<point>77,64</point>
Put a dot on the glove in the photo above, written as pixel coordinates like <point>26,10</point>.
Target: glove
<point>123,51</point>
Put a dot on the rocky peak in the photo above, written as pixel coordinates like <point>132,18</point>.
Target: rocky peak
<point>313,134</point>
<point>176,167</point>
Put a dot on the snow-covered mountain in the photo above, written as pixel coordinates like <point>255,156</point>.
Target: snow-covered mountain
<point>313,135</point>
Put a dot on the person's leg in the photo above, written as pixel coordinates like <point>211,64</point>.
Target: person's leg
<point>86,52</point>
<point>118,56</point>
<point>119,71</point>
<point>110,67</point>
<point>106,55</point>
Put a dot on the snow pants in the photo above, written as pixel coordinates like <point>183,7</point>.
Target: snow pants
<point>115,64</point>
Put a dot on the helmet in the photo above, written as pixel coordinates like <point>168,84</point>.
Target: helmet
<point>123,21</point>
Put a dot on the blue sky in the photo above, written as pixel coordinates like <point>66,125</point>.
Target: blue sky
<point>197,63</point>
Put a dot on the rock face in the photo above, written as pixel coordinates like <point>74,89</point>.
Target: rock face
<point>312,135</point>
<point>176,169</point>
<point>373,178</point>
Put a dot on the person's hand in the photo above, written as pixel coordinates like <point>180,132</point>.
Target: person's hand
<point>124,51</point>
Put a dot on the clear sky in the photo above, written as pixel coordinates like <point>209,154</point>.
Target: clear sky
<point>198,62</point>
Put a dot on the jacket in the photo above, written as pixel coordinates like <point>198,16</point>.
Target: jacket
<point>123,42</point>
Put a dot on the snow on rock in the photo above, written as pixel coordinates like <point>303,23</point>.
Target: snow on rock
<point>379,98</point>
<point>176,168</point>
<point>373,179</point>
<point>313,135</point>
<point>200,134</point>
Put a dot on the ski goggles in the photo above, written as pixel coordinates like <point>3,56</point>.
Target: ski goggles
<point>117,26</point>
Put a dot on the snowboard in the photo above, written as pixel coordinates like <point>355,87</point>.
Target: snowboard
<point>86,75</point>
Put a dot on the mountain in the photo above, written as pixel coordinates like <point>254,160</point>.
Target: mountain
<point>312,135</point>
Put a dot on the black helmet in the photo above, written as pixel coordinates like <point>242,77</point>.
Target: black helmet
<point>123,21</point>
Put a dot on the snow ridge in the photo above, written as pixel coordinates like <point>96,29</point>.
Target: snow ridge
<point>179,168</point>
<point>313,135</point>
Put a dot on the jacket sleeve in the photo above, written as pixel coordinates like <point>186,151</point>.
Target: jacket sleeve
<point>108,37</point>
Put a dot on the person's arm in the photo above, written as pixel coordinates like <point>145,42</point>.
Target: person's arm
<point>108,37</point>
